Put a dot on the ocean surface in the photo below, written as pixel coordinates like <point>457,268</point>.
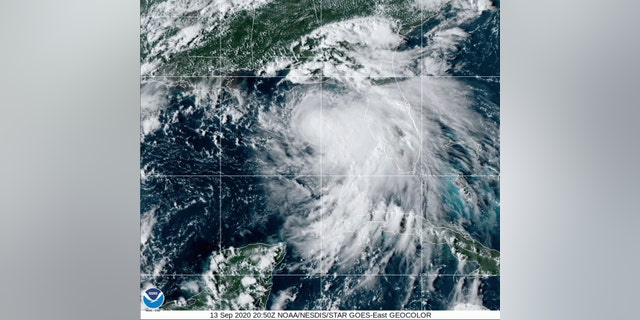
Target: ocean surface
<point>362,135</point>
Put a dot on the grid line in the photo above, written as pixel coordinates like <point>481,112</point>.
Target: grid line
<point>321,165</point>
<point>219,96</point>
<point>323,275</point>
<point>369,77</point>
<point>422,204</point>
<point>318,175</point>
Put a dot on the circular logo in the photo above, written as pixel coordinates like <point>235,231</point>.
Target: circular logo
<point>153,298</point>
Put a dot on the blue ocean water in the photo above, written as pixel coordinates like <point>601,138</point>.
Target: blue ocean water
<point>204,189</point>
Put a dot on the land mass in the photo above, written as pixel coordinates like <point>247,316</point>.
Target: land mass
<point>237,279</point>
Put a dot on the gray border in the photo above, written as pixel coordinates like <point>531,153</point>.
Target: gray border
<point>569,180</point>
<point>69,127</point>
<point>69,168</point>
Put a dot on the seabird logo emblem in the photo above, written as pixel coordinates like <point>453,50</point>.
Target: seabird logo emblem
<point>153,298</point>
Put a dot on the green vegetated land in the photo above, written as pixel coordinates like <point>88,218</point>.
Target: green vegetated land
<point>237,279</point>
<point>463,244</point>
<point>247,40</point>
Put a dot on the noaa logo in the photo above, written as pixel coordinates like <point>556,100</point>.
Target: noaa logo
<point>153,298</point>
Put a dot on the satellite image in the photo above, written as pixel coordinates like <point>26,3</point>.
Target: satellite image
<point>320,154</point>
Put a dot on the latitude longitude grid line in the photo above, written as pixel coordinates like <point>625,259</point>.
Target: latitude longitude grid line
<point>310,82</point>
<point>199,17</point>
<point>321,167</point>
<point>319,175</point>
<point>325,274</point>
<point>422,213</point>
<point>322,222</point>
<point>219,62</point>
